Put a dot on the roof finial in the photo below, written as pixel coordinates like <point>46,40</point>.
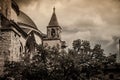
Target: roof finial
<point>54,9</point>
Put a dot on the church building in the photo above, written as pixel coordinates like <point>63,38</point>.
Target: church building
<point>18,32</point>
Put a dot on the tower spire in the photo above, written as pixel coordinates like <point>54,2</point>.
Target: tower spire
<point>54,21</point>
<point>54,9</point>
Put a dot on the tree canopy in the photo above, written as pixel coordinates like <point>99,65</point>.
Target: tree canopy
<point>79,63</point>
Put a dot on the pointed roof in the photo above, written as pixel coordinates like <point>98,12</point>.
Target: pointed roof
<point>54,21</point>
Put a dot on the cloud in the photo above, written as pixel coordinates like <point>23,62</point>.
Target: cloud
<point>76,35</point>
<point>25,2</point>
<point>94,20</point>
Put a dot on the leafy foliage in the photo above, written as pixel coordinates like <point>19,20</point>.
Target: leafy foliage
<point>79,63</point>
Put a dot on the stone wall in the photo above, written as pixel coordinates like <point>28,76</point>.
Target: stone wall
<point>57,33</point>
<point>52,43</point>
<point>1,64</point>
<point>15,47</point>
<point>10,45</point>
<point>5,41</point>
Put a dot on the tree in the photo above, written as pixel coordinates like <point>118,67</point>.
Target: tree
<point>49,63</point>
<point>98,53</point>
<point>77,45</point>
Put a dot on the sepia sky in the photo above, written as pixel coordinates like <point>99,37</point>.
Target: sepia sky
<point>95,20</point>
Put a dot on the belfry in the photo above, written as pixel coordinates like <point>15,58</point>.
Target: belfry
<point>53,38</point>
<point>19,35</point>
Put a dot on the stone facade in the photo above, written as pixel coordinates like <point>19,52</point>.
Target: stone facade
<point>10,44</point>
<point>13,35</point>
<point>53,33</point>
<point>5,41</point>
<point>2,59</point>
<point>17,37</point>
<point>52,43</point>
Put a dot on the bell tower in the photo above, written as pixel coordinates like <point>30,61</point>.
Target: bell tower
<point>53,29</point>
<point>5,8</point>
<point>53,37</point>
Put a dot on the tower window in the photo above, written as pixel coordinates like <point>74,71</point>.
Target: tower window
<point>53,32</point>
<point>21,47</point>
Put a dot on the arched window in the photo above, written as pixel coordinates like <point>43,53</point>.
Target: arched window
<point>53,32</point>
<point>21,47</point>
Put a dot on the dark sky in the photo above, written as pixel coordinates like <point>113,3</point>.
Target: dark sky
<point>95,20</point>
